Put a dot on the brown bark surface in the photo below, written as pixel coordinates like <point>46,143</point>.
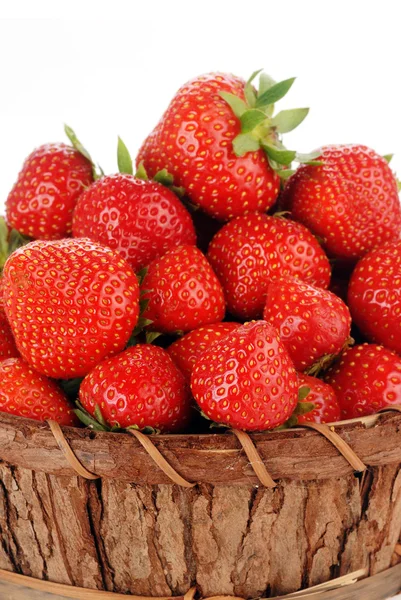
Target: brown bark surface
<point>127,535</point>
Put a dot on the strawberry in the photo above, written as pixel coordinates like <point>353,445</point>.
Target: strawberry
<point>141,220</point>
<point>41,203</point>
<point>312,322</point>
<point>320,399</point>
<point>366,379</point>
<point>250,251</point>
<point>187,350</point>
<point>181,292</point>
<point>374,296</point>
<point>221,144</point>
<point>8,349</point>
<point>350,200</point>
<point>70,303</point>
<point>247,379</point>
<point>140,387</point>
<point>26,393</point>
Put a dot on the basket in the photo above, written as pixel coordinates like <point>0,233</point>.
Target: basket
<point>186,515</point>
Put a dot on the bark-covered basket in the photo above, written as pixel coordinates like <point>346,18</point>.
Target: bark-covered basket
<point>132,523</point>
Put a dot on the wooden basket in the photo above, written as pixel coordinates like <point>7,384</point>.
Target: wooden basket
<point>129,529</point>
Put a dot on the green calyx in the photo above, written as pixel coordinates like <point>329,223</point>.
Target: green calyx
<point>97,171</point>
<point>9,242</point>
<point>261,129</point>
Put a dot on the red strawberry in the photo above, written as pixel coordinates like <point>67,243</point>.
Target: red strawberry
<point>70,304</point>
<point>326,408</point>
<point>247,379</point>
<point>374,296</point>
<point>367,378</point>
<point>220,142</point>
<point>350,201</point>
<point>182,291</point>
<point>8,349</point>
<point>41,202</point>
<point>141,220</point>
<point>141,387</point>
<point>188,349</point>
<point>26,393</point>
<point>250,251</point>
<point>312,322</point>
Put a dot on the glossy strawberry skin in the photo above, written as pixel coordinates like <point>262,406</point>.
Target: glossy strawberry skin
<point>70,303</point>
<point>26,393</point>
<point>326,407</point>
<point>366,379</point>
<point>187,350</point>
<point>374,296</point>
<point>350,201</point>
<point>312,322</point>
<point>250,251</point>
<point>142,387</point>
<point>183,292</point>
<point>41,203</point>
<point>8,349</point>
<point>141,220</point>
<point>247,380</point>
<point>194,142</point>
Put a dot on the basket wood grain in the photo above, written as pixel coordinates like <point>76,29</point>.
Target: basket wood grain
<point>133,532</point>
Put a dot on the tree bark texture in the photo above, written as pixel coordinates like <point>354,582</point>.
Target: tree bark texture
<point>133,532</point>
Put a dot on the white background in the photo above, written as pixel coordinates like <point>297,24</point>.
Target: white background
<point>109,68</point>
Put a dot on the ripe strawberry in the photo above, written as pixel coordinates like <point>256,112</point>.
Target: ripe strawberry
<point>219,141</point>
<point>41,202</point>
<point>312,322</point>
<point>187,350</point>
<point>141,220</point>
<point>182,291</point>
<point>367,378</point>
<point>250,251</point>
<point>350,200</point>
<point>8,349</point>
<point>26,393</point>
<point>374,296</point>
<point>141,387</point>
<point>70,304</point>
<point>322,397</point>
<point>247,379</point>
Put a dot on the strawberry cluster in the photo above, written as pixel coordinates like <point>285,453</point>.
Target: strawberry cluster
<point>213,282</point>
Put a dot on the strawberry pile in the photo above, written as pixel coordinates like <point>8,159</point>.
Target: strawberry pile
<point>210,283</point>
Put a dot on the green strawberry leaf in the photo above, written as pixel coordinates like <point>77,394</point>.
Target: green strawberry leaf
<point>16,240</point>
<point>287,120</point>
<point>388,157</point>
<point>143,304</point>
<point>237,105</point>
<point>274,93</point>
<point>164,177</point>
<point>88,420</point>
<point>303,392</point>
<point>279,155</point>
<point>3,242</point>
<point>141,172</point>
<point>399,185</point>
<point>141,275</point>
<point>70,133</point>
<point>243,143</point>
<point>124,159</point>
<point>265,83</point>
<point>251,119</point>
<point>302,408</point>
<point>151,336</point>
<point>285,174</point>
<point>99,417</point>
<point>309,158</point>
<point>249,92</point>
